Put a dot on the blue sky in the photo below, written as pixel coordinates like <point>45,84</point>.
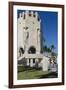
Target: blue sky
<point>49,27</point>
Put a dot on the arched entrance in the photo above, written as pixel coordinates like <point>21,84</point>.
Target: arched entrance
<point>32,50</point>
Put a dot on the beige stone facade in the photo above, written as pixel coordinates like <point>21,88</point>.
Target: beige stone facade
<point>29,32</point>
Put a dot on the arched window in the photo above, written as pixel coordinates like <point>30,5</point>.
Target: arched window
<point>21,51</point>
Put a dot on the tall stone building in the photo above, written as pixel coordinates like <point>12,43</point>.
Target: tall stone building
<point>29,32</point>
<point>29,40</point>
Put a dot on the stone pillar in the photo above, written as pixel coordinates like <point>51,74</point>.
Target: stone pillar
<point>36,15</point>
<point>27,61</point>
<point>27,12</point>
<point>36,63</point>
<point>36,59</point>
<point>45,64</point>
<point>31,62</point>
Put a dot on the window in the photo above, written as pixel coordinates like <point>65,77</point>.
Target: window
<point>26,28</point>
<point>21,51</point>
<point>37,28</point>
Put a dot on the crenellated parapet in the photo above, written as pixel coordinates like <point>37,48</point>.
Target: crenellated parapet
<point>29,14</point>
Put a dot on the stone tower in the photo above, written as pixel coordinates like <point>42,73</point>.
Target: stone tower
<point>29,33</point>
<point>29,42</point>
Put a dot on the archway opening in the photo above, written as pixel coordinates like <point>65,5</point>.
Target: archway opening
<point>32,50</point>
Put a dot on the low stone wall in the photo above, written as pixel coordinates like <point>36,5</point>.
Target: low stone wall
<point>44,61</point>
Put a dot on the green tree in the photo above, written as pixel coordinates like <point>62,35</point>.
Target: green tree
<point>52,48</point>
<point>48,50</point>
<point>45,48</point>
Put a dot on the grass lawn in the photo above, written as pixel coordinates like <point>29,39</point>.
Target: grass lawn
<point>32,73</point>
